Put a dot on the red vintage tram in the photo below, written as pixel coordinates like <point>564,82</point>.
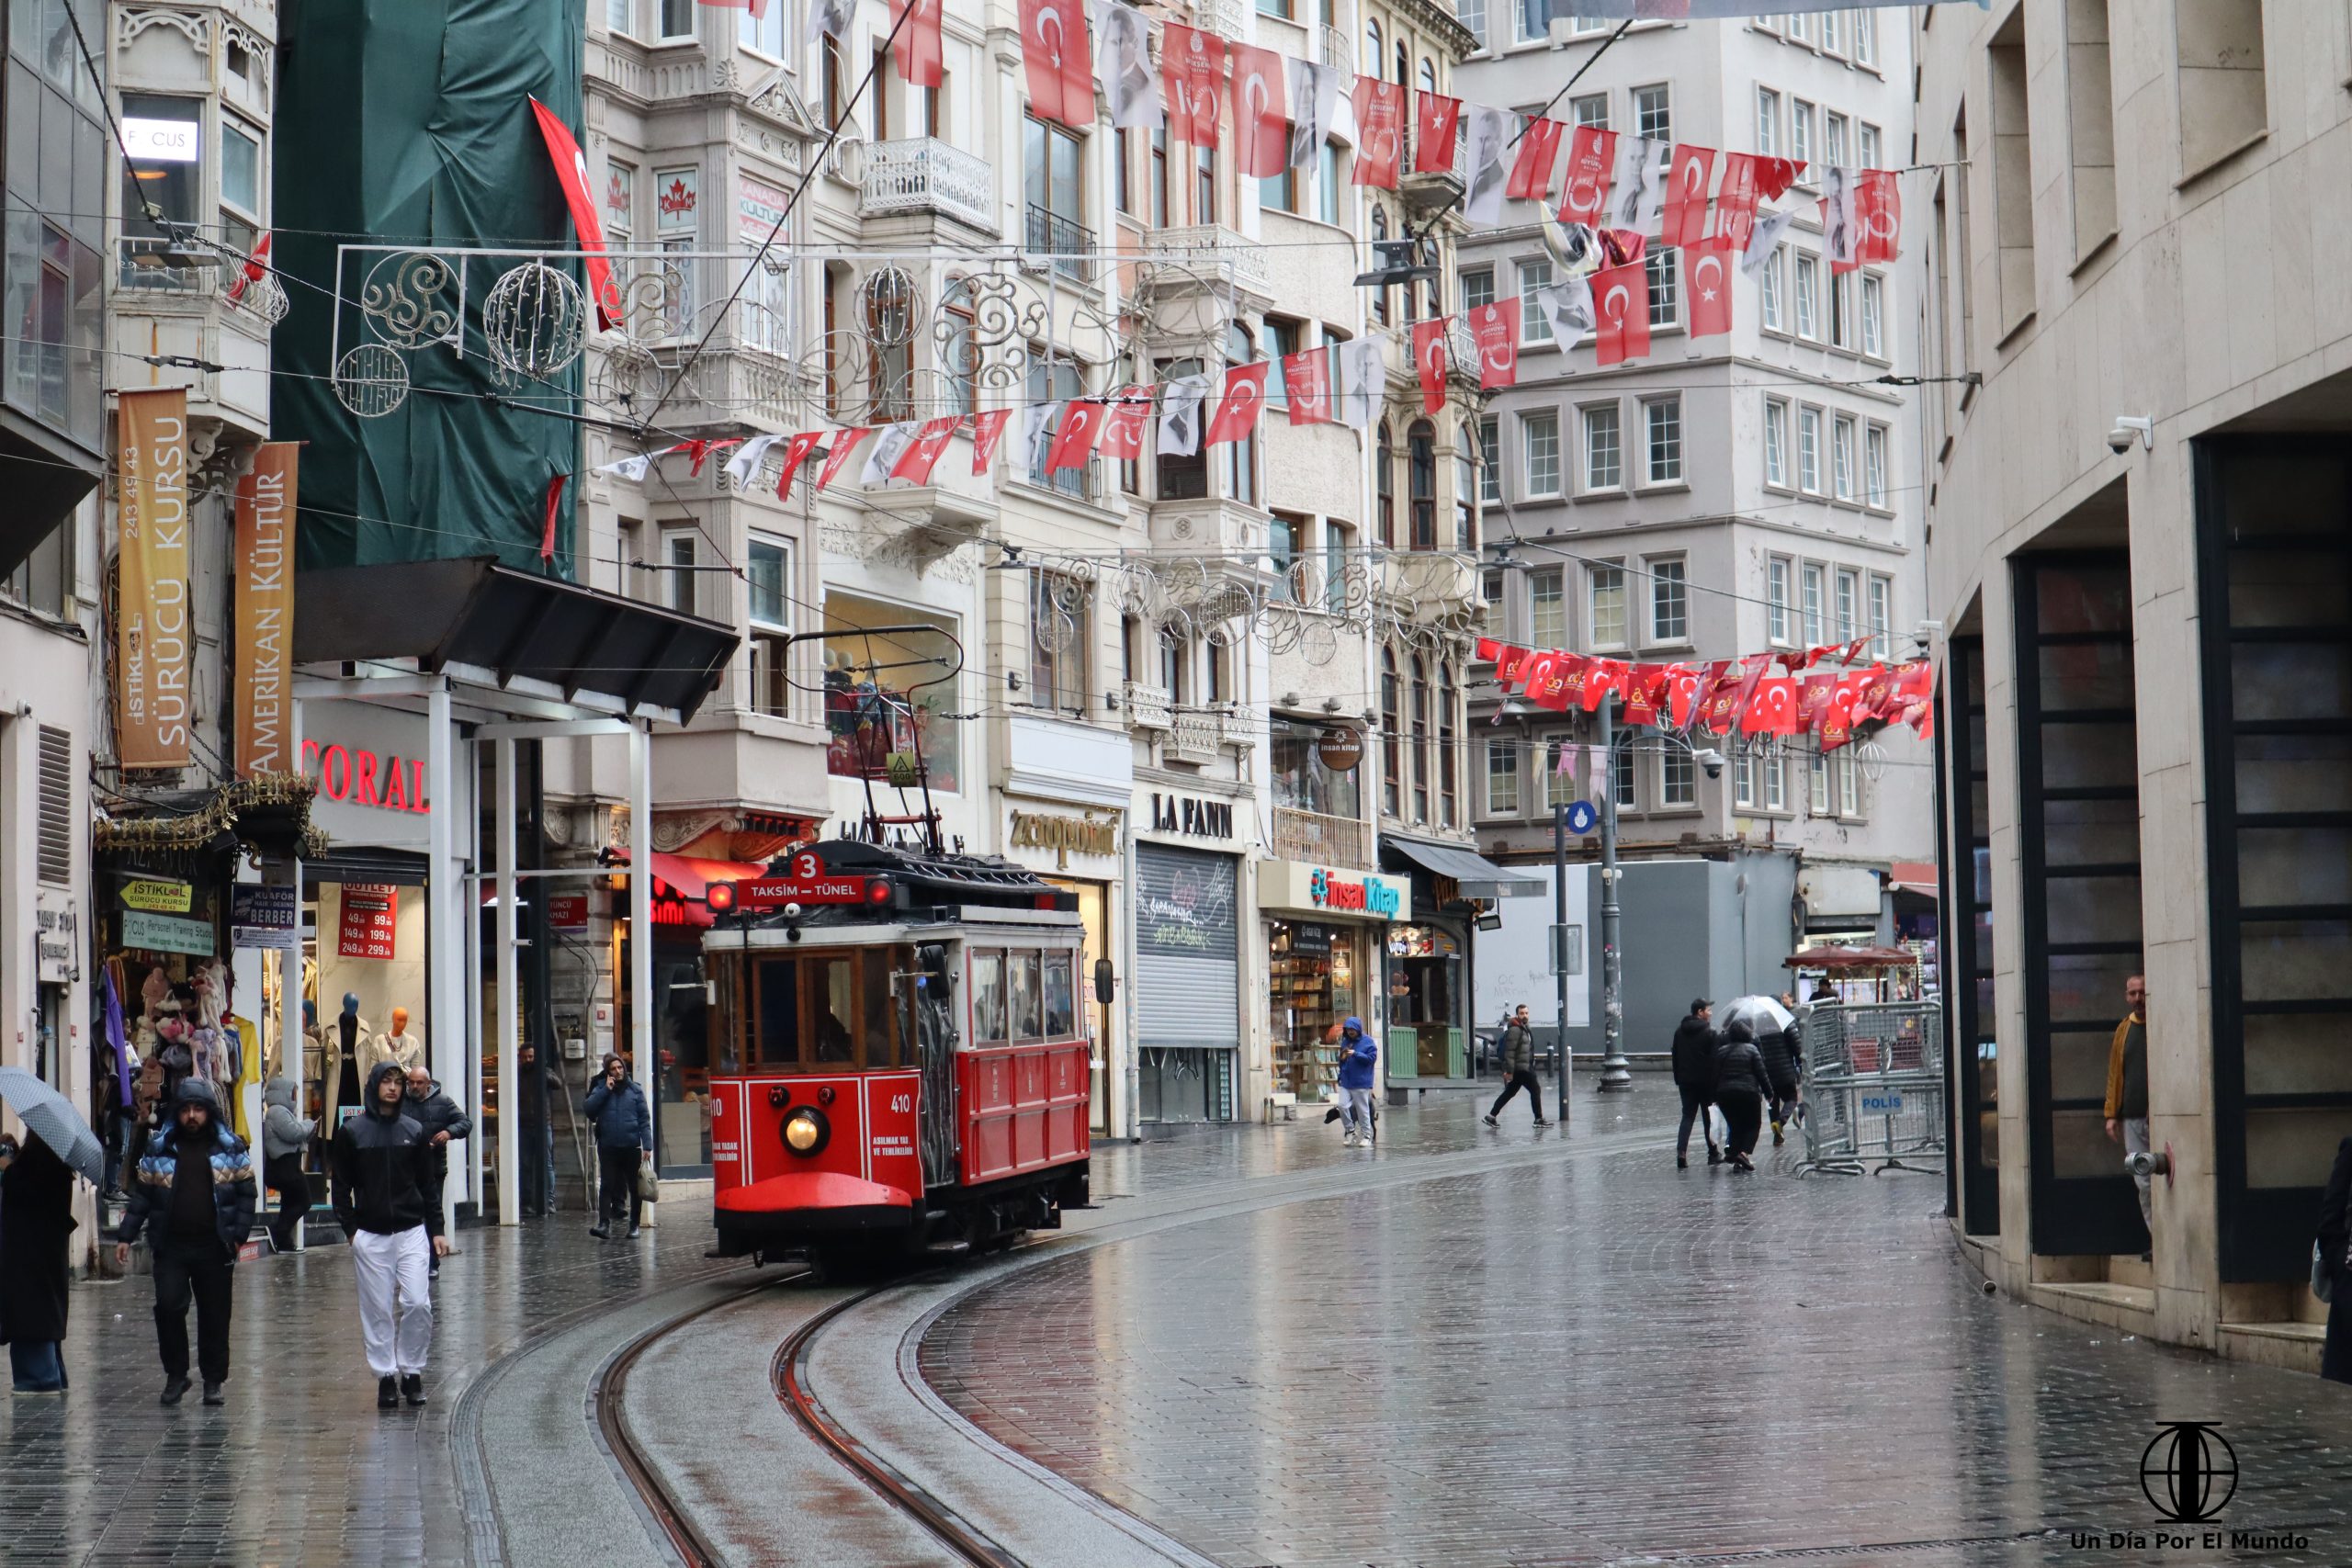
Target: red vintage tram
<point>900,1060</point>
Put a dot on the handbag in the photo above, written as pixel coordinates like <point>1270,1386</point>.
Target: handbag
<point>648,1186</point>
<point>2322,1277</point>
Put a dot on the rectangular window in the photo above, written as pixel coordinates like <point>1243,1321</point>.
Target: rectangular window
<point>1842,309</point>
<point>1621,779</point>
<point>1669,602</point>
<point>1662,429</point>
<point>1535,326</point>
<point>2090,123</point>
<point>1833,137</point>
<point>1539,438</point>
<point>1338,542</point>
<point>2222,86</point>
<point>1776,782</point>
<point>1776,442</point>
<point>1502,778</point>
<point>1122,196</point>
<point>1205,185</point>
<point>1775,278</point>
<point>1591,110</point>
<point>1274,9</point>
<point>1882,618</point>
<point>1874,316</point>
<point>2013,164</point>
<point>1547,609</point>
<point>1799,28</point>
<point>1533,18</point>
<point>1819,791</point>
<point>1849,591</point>
<point>1664,266</point>
<point>1159,179</point>
<point>1061,633</point>
<point>1283,339</point>
<point>1832,41</point>
<point>1808,297</point>
<point>1866,145</point>
<point>1842,457</point>
<point>1743,780</point>
<point>1775,600</point>
<point>1326,184</point>
<point>1279,193</point>
<point>1865,36</point>
<point>1608,621</point>
<point>1603,449</point>
<point>1850,785</point>
<point>766,572</point>
<point>1810,603</point>
<point>1654,113</point>
<point>1473,16</point>
<point>678,580</point>
<point>617,16</point>
<point>1478,288</point>
<point>1801,134</point>
<point>678,18</point>
<point>762,28</point>
<point>1874,465</point>
<point>1768,122</point>
<point>1809,451</point>
<point>1490,461</point>
<point>1678,780</point>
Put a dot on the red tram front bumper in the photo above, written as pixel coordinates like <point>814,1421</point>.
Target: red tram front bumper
<point>801,1206</point>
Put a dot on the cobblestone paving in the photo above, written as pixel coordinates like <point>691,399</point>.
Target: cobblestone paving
<point>1608,1360</point>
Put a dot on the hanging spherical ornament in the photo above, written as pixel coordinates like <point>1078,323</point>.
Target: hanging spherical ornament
<point>371,380</point>
<point>535,319</point>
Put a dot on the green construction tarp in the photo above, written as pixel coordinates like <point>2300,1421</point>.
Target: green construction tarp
<point>408,123</point>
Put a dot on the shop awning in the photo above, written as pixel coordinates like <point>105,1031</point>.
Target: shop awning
<point>680,881</point>
<point>1912,876</point>
<point>1477,876</point>
<point>492,625</point>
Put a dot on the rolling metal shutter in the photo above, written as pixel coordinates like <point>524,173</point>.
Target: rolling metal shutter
<point>1188,948</point>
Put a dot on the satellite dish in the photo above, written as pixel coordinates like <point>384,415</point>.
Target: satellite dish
<point>1575,248</point>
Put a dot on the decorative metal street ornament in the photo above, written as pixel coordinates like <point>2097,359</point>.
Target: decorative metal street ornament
<point>371,380</point>
<point>535,320</point>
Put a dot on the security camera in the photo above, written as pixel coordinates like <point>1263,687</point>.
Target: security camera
<point>1710,759</point>
<point>2130,428</point>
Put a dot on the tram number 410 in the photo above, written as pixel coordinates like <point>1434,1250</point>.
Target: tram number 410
<point>1884,1104</point>
<point>902,1104</point>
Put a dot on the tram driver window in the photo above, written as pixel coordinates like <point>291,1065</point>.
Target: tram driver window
<point>1061,996</point>
<point>988,1000</point>
<point>1028,1009</point>
<point>875,989</point>
<point>830,1015</point>
<point>776,1043</point>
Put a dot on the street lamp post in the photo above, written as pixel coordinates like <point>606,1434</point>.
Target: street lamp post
<point>1560,945</point>
<point>1616,1074</point>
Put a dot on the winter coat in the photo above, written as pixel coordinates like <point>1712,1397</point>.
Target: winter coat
<point>620,1116</point>
<point>1694,1054</point>
<point>1357,1055</point>
<point>384,1177</point>
<point>282,1132</point>
<point>36,1243</point>
<point>1519,1048</point>
<point>437,1113</point>
<point>2336,1217</point>
<point>1740,1067</point>
<point>1783,1054</point>
<point>233,1192</point>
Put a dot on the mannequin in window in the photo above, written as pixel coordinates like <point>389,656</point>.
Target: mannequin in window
<point>398,1046</point>
<point>346,1037</point>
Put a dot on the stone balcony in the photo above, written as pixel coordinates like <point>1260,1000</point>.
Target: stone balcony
<point>1335,48</point>
<point>1211,524</point>
<point>924,174</point>
<point>1208,255</point>
<point>1227,19</point>
<point>1196,737</point>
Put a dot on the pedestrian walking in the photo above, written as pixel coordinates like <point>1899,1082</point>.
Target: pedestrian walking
<point>1695,1077</point>
<point>1519,1062</point>
<point>1742,1086</point>
<point>2335,1261</point>
<point>624,1140</point>
<point>194,1196</point>
<point>1358,1055</point>
<point>2127,1090</point>
<point>540,1114</point>
<point>442,1121</point>
<point>36,1241</point>
<point>1783,1052</point>
<point>387,1193</point>
<point>284,1136</point>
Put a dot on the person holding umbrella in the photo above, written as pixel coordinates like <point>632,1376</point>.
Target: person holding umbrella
<point>36,1236</point>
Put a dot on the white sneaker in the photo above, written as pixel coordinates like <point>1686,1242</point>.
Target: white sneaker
<point>1349,1142</point>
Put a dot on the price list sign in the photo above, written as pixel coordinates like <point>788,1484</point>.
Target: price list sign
<point>371,913</point>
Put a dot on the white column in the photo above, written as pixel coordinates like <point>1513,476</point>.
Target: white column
<point>444,888</point>
<point>640,918</point>
<point>510,1078</point>
<point>470,1157</point>
<point>292,1046</point>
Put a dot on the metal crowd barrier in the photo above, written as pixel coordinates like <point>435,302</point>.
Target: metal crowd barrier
<point>1874,1087</point>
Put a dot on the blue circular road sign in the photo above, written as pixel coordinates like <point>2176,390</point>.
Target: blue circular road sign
<point>1582,817</point>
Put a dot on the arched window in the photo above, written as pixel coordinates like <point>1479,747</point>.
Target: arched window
<point>1372,45</point>
<point>1241,468</point>
<point>1448,767</point>
<point>1380,295</point>
<point>1384,484</point>
<point>1392,742</point>
<point>1421,461</point>
<point>1421,769</point>
<point>1404,62</point>
<point>1428,75</point>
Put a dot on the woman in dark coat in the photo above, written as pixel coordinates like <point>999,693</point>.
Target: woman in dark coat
<point>1742,1086</point>
<point>36,1238</point>
<point>2335,1242</point>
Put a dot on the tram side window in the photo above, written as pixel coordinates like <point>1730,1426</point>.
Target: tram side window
<point>1061,996</point>
<point>776,1043</point>
<point>1028,1005</point>
<point>988,1000</point>
<point>880,1010</point>
<point>831,1004</point>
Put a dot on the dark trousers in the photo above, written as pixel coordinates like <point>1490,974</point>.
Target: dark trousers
<point>1744,1109</point>
<point>1784,1100</point>
<point>618,1167</point>
<point>1694,1108</point>
<point>2335,1355</point>
<point>1520,1079</point>
<point>204,1272</point>
<point>285,1173</point>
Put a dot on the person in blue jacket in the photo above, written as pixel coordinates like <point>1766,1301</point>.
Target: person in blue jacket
<point>1358,1055</point>
<point>624,1140</point>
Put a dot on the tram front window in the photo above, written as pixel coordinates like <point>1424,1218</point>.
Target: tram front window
<point>827,1011</point>
<point>833,1004</point>
<point>776,1042</point>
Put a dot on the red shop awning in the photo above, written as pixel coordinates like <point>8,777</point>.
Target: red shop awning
<point>680,881</point>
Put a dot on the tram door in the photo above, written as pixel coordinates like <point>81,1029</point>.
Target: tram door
<point>927,993</point>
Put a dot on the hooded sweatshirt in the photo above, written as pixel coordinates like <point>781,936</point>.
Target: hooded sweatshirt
<point>1357,1054</point>
<point>282,1132</point>
<point>385,1179</point>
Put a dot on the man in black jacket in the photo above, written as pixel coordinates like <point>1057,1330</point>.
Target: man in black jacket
<point>1519,1061</point>
<point>1694,1075</point>
<point>442,1121</point>
<point>387,1190</point>
<point>194,1195</point>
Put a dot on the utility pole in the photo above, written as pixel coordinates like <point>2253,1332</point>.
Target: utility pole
<point>1615,1073</point>
<point>1560,945</point>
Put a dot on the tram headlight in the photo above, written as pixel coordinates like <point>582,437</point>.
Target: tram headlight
<point>806,1130</point>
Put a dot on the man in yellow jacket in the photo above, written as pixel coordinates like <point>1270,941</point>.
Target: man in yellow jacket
<point>2127,1082</point>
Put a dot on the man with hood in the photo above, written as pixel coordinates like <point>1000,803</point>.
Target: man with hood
<point>387,1193</point>
<point>442,1121</point>
<point>194,1197</point>
<point>1357,1054</point>
<point>284,1135</point>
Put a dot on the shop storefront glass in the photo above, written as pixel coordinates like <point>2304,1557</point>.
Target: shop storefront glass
<point>1427,1031</point>
<point>1320,975</point>
<point>886,694</point>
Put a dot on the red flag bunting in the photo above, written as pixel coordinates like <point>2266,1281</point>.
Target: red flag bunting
<point>1736,201</point>
<point>1380,128</point>
<point>844,442</point>
<point>988,429</point>
<point>1434,115</point>
<point>1260,124</point>
<point>920,51</point>
<point>1306,382</point>
<point>1058,64</point>
<point>1081,426</point>
<point>571,173</point>
<point>547,521</point>
<point>795,452</point>
<point>1686,195</point>
<point>1539,154</point>
<point>1192,68</point>
<point>1429,360</point>
<point>1494,328</point>
<point>1123,431</point>
<point>1773,710</point>
<point>1878,218</point>
<point>1711,265</point>
<point>1592,154</point>
<point>922,455</point>
<point>1621,297</point>
<point>1237,411</point>
<point>1775,176</point>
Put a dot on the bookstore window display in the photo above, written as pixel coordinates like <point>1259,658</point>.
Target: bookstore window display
<point>1318,976</point>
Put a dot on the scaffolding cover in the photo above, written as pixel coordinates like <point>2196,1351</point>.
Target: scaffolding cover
<point>409,122</point>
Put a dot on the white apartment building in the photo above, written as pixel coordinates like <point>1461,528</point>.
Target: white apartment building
<point>1723,495</point>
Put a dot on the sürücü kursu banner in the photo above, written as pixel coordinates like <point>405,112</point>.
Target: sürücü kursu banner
<point>262,676</point>
<point>154,632</point>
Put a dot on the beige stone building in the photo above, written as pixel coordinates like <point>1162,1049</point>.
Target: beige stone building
<point>2140,548</point>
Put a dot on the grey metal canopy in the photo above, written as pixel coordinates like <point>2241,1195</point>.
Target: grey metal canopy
<point>1477,876</point>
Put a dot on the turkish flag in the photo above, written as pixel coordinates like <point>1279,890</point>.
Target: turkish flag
<point>795,452</point>
<point>1773,710</point>
<point>1380,131</point>
<point>922,57</point>
<point>1870,698</point>
<point>1237,411</point>
<point>1686,195</point>
<point>1878,218</point>
<point>922,455</point>
<point>1074,442</point>
<point>1123,431</point>
<point>1620,297</point>
<point>1547,679</point>
<point>1059,66</point>
<point>1434,115</point>
<point>1923,720</point>
<point>1576,673</point>
<point>1539,154</point>
<point>1723,694</point>
<point>1711,264</point>
<point>1260,125</point>
<point>1510,666</point>
<point>1306,382</point>
<point>1736,199</point>
<point>547,520</point>
<point>1683,689</point>
<point>571,173</point>
<point>1192,68</point>
<point>988,429</point>
<point>258,266</point>
<point>1592,152</point>
<point>1600,678</point>
<point>1837,719</point>
<point>1775,176</point>
<point>1430,359</point>
<point>1915,681</point>
<point>1496,329</point>
<point>844,442</point>
<point>1484,649</point>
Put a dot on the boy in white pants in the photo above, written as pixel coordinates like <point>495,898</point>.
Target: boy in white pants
<point>387,1189</point>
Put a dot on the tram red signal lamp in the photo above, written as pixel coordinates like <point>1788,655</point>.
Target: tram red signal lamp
<point>878,891</point>
<point>719,896</point>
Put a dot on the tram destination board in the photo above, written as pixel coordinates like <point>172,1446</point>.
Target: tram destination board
<point>775,892</point>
